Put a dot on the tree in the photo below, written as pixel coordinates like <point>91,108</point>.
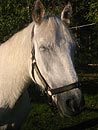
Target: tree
<point>86,12</point>
<point>14,15</point>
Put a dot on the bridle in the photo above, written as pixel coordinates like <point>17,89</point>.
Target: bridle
<point>48,90</point>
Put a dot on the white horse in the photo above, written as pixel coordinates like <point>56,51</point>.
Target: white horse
<point>42,52</point>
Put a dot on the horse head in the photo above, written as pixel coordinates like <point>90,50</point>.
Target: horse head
<point>53,52</point>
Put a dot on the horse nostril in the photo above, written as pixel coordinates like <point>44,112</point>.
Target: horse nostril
<point>72,106</point>
<point>68,103</point>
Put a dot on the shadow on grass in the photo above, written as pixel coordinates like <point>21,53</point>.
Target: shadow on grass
<point>90,87</point>
<point>86,124</point>
<point>83,125</point>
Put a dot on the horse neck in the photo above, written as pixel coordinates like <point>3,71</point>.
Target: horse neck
<point>16,52</point>
<point>21,47</point>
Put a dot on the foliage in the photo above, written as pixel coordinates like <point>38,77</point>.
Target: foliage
<point>87,13</point>
<point>93,12</point>
<point>14,15</point>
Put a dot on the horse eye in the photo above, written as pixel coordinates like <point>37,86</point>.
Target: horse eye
<point>43,48</point>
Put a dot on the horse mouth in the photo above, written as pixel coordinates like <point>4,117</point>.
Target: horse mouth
<point>69,112</point>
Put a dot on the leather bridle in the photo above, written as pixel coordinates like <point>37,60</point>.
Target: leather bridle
<point>48,90</point>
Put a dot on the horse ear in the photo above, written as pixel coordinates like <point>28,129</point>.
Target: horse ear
<point>38,11</point>
<point>67,12</point>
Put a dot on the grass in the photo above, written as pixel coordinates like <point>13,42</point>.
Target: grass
<point>41,117</point>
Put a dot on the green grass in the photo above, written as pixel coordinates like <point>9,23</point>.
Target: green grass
<point>41,117</point>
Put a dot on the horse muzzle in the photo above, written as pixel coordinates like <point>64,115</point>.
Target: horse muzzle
<point>68,101</point>
<point>71,105</point>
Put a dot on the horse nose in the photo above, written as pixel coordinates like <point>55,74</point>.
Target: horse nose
<point>74,106</point>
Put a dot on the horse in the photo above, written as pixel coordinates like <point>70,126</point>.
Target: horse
<point>42,52</point>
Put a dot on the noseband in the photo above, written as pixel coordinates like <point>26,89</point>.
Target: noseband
<point>48,90</point>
